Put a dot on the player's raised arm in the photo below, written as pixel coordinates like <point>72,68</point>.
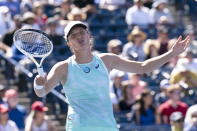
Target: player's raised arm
<point>43,85</point>
<point>117,62</point>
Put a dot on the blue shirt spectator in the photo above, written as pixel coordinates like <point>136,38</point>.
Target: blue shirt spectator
<point>18,115</point>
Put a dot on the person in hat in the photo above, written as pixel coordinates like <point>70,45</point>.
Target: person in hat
<point>158,46</point>
<point>114,46</point>
<point>134,49</point>
<point>85,80</point>
<point>185,72</point>
<point>160,9</point>
<point>5,123</point>
<point>176,121</point>
<point>77,14</point>
<point>115,88</point>
<point>29,20</point>
<point>37,119</point>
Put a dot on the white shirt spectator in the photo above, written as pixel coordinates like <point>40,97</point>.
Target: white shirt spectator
<point>10,126</point>
<point>140,17</point>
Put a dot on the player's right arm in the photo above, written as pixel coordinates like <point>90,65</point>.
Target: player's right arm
<point>58,73</point>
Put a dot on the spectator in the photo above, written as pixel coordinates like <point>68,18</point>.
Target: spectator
<point>138,15</point>
<point>173,104</point>
<point>38,120</point>
<point>190,123</point>
<point>40,16</point>
<point>77,14</point>
<point>162,96</point>
<point>115,87</point>
<point>160,9</point>
<point>8,37</point>
<point>185,71</point>
<point>137,83</point>
<point>125,104</point>
<point>160,45</point>
<point>150,49</point>
<point>176,121</point>
<point>65,8</point>
<point>26,5</point>
<point>6,22</point>
<point>114,46</point>
<point>133,50</point>
<point>29,20</point>
<point>17,112</point>
<point>5,123</point>
<point>193,43</point>
<point>52,31</point>
<point>146,113</point>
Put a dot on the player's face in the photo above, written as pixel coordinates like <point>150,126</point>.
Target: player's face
<point>79,38</point>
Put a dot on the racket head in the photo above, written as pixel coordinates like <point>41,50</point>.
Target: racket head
<point>33,43</point>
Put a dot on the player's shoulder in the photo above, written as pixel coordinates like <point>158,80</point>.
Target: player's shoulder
<point>108,58</point>
<point>107,55</point>
<point>61,65</point>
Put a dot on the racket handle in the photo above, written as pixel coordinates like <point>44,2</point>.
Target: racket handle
<point>41,71</point>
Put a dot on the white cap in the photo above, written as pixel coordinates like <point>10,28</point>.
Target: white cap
<point>158,2</point>
<point>72,24</point>
<point>175,116</point>
<point>4,9</point>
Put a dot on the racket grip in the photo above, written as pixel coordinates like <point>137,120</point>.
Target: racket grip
<point>41,71</point>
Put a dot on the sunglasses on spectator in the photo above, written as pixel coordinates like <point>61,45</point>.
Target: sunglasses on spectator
<point>178,121</point>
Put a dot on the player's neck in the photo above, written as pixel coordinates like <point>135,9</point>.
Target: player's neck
<point>83,57</point>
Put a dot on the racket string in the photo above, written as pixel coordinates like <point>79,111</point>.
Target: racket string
<point>34,43</point>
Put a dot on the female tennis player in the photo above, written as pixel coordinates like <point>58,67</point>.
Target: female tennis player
<point>84,77</point>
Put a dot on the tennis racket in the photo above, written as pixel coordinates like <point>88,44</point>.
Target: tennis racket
<point>35,44</point>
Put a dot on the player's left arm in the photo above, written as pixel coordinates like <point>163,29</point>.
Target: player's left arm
<point>113,61</point>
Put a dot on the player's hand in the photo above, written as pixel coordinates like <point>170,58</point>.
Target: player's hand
<point>40,80</point>
<point>180,45</point>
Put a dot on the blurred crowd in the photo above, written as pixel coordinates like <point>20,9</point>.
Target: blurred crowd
<point>166,96</point>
